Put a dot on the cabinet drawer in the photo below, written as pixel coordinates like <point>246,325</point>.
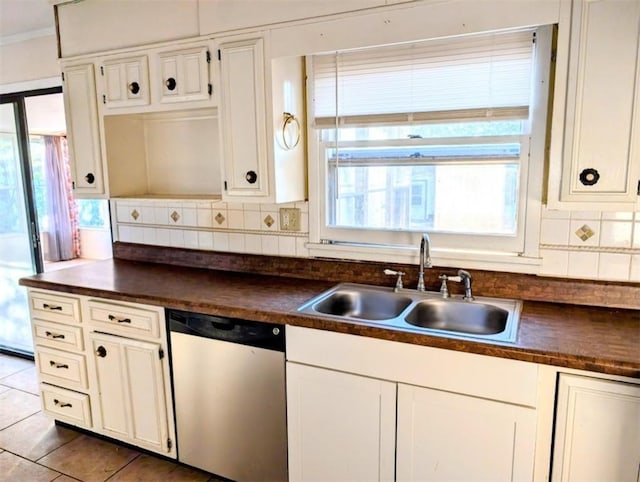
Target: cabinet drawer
<point>125,319</point>
<point>55,307</point>
<point>66,405</point>
<point>57,335</point>
<point>59,367</point>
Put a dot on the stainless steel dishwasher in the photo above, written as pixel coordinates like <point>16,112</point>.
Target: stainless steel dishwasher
<point>229,392</point>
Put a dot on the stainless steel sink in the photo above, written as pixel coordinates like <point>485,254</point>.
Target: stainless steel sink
<point>461,316</point>
<point>484,318</point>
<point>362,304</point>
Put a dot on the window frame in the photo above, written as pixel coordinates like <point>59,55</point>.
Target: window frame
<point>448,249</point>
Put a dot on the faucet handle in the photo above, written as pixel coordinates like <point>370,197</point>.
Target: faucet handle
<point>399,274</point>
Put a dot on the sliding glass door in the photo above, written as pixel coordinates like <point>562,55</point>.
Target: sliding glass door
<point>19,245</point>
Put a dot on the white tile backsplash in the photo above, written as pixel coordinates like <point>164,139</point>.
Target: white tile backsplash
<point>616,234</point>
<point>191,239</point>
<point>576,225</point>
<point>235,219</point>
<point>236,242</point>
<point>220,241</point>
<point>634,274</point>
<point>583,264</point>
<point>586,215</point>
<point>286,245</point>
<point>270,244</point>
<point>554,262</point>
<point>253,243</point>
<point>205,240</point>
<point>554,231</point>
<point>252,220</point>
<point>613,266</point>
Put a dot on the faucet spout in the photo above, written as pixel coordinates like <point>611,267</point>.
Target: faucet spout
<point>425,259</point>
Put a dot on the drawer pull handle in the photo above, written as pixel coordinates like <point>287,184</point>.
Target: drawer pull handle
<point>58,365</point>
<point>47,306</point>
<point>61,404</point>
<point>54,335</point>
<point>119,320</point>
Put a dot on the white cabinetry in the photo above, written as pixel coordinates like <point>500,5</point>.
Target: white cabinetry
<point>451,407</point>
<point>595,145</point>
<point>60,356</point>
<point>159,79</point>
<point>257,95</point>
<point>341,426</point>
<point>103,366</point>
<point>597,432</point>
<point>128,347</point>
<point>185,75</point>
<point>126,82</point>
<point>83,130</point>
<point>438,430</point>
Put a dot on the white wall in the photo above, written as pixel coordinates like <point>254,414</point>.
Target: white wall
<point>27,61</point>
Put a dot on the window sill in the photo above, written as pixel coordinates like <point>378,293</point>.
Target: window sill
<point>442,258</point>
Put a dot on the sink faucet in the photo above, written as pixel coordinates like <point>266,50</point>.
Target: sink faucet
<point>425,259</point>
<point>466,279</point>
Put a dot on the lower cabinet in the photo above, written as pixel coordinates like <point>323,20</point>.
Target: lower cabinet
<point>597,434</point>
<point>447,436</point>
<point>370,410</point>
<point>102,366</point>
<point>341,426</point>
<point>131,400</point>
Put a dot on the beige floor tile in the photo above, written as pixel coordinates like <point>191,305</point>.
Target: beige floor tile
<point>11,364</point>
<point>25,380</point>
<point>35,437</point>
<point>65,478</point>
<point>17,405</point>
<point>4,389</point>
<point>89,459</point>
<point>17,469</point>
<point>147,467</point>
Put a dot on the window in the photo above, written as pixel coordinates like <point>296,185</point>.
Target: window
<point>431,136</point>
<point>93,213</point>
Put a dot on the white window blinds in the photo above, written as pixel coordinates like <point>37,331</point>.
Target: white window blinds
<point>458,78</point>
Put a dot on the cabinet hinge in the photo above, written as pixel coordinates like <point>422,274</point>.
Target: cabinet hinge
<point>533,40</point>
<point>104,99</point>
<point>219,55</point>
<point>169,444</point>
<point>225,185</point>
<point>210,89</point>
<point>638,191</point>
<point>102,70</point>
<point>554,55</point>
<point>208,57</point>
<point>62,76</point>
<point>161,353</point>
<point>73,184</point>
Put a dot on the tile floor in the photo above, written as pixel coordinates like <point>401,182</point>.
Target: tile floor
<point>34,449</point>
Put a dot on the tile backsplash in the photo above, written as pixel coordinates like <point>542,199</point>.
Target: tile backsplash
<point>573,244</point>
<point>210,225</point>
<point>590,244</point>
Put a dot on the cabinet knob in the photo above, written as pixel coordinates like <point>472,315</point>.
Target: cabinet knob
<point>90,178</point>
<point>134,87</point>
<point>251,177</point>
<point>101,351</point>
<point>589,176</point>
<point>170,83</point>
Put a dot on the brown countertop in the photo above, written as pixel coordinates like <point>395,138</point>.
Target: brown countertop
<point>605,340</point>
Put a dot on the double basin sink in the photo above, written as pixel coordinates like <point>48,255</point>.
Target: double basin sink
<point>491,319</point>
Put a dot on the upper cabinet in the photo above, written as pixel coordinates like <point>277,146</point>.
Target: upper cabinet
<point>595,137</point>
<point>158,79</point>
<point>184,75</point>
<point>83,130</point>
<point>125,82</point>
<point>261,122</point>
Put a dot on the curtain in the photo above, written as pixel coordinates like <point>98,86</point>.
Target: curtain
<point>64,234</point>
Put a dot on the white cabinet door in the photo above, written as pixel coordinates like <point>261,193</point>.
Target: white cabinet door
<point>131,402</point>
<point>125,82</point>
<point>83,130</point>
<point>597,434</point>
<point>447,436</point>
<point>184,75</point>
<point>243,118</point>
<point>341,427</point>
<point>596,131</point>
